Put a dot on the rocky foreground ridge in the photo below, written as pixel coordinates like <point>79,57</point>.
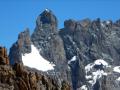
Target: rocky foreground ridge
<point>85,53</point>
<point>19,77</point>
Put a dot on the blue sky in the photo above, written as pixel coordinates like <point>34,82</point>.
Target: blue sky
<point>16,15</point>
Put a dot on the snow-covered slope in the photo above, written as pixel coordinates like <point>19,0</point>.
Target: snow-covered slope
<point>35,60</point>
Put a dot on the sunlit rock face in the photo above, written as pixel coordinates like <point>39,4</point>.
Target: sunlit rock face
<point>85,53</point>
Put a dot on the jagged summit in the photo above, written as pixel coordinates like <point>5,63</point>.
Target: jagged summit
<point>47,10</point>
<point>47,17</point>
<point>88,21</point>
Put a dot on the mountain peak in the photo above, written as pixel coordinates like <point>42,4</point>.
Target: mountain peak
<point>47,10</point>
<point>47,17</point>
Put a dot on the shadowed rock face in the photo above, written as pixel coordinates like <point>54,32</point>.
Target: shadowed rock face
<point>86,40</point>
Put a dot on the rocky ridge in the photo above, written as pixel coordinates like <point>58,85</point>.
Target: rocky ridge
<point>88,41</point>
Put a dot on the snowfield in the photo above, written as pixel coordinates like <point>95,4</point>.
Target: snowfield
<point>35,60</point>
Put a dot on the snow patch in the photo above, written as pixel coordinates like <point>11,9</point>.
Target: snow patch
<point>97,75</point>
<point>88,77</point>
<point>116,69</point>
<point>89,67</point>
<point>101,61</point>
<point>47,10</point>
<point>99,68</point>
<point>118,79</point>
<point>72,59</point>
<point>96,62</point>
<point>102,24</point>
<point>35,60</point>
<point>84,87</point>
<point>108,22</point>
<point>49,37</point>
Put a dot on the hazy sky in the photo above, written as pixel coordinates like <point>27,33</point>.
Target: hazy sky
<point>16,15</point>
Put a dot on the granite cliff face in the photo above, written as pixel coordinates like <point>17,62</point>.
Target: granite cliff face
<point>85,53</point>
